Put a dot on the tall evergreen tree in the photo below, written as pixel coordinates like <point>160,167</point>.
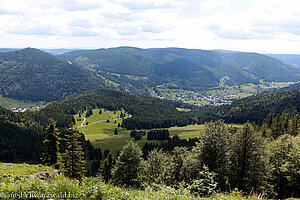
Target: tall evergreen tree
<point>74,164</point>
<point>214,151</point>
<point>285,158</point>
<point>158,167</point>
<point>51,155</point>
<point>128,168</point>
<point>250,169</point>
<point>106,167</point>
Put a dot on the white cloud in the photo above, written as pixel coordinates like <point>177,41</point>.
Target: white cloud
<point>207,24</point>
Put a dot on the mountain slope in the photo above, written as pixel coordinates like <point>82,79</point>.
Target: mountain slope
<point>21,138</point>
<point>292,59</point>
<point>31,74</point>
<point>257,107</point>
<point>185,68</point>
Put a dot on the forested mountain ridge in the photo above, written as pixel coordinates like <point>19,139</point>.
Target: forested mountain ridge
<point>184,68</point>
<point>292,59</point>
<point>147,112</point>
<point>256,108</point>
<point>31,74</point>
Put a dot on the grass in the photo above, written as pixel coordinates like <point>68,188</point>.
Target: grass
<point>22,169</point>
<point>13,103</point>
<point>12,186</point>
<point>101,134</point>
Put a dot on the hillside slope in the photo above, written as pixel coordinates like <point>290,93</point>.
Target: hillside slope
<point>185,68</point>
<point>21,138</point>
<point>31,74</point>
<point>292,59</point>
<point>257,107</point>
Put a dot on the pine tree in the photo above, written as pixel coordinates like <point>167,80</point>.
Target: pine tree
<point>74,163</point>
<point>128,168</point>
<point>51,155</point>
<point>106,168</point>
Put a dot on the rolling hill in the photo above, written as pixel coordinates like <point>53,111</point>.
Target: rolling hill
<point>182,68</point>
<point>292,59</point>
<point>31,74</point>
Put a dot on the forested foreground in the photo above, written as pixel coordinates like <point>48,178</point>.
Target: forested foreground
<point>224,159</point>
<point>261,161</point>
<point>23,181</point>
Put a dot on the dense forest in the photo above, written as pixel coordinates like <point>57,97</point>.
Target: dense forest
<point>182,68</point>
<point>261,159</point>
<point>249,159</point>
<point>34,75</point>
<point>147,112</point>
<point>256,108</point>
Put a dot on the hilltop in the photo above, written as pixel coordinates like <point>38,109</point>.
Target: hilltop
<point>31,74</point>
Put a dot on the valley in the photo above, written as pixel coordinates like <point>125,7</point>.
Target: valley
<point>166,118</point>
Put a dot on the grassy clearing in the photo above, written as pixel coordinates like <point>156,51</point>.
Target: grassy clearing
<point>12,186</point>
<point>13,103</point>
<point>101,134</point>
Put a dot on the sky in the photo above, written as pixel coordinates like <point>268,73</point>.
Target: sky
<point>263,26</point>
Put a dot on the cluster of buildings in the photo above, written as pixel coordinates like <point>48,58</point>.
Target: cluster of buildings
<point>201,99</point>
<point>26,109</point>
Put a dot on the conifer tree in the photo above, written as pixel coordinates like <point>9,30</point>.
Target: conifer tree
<point>158,167</point>
<point>214,151</point>
<point>128,168</point>
<point>249,167</point>
<point>106,168</point>
<point>51,155</point>
<point>73,159</point>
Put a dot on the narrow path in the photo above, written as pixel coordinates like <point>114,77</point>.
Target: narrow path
<point>83,121</point>
<point>104,120</point>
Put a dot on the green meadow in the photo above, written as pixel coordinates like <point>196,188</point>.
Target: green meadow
<point>100,132</point>
<point>13,103</point>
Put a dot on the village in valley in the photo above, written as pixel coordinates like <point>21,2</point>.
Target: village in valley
<point>195,98</point>
<point>27,109</point>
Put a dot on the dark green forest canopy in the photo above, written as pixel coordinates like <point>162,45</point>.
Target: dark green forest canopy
<point>146,111</point>
<point>256,108</point>
<point>21,137</point>
<point>34,75</point>
<point>185,68</point>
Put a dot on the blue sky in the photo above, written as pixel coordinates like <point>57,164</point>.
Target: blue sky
<point>264,26</point>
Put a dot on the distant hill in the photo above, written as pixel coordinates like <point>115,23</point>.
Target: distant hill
<point>257,107</point>
<point>3,50</point>
<point>292,59</point>
<point>51,51</point>
<point>31,74</point>
<point>58,51</point>
<point>183,68</point>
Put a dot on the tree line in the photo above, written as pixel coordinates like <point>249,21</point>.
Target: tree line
<point>224,159</point>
